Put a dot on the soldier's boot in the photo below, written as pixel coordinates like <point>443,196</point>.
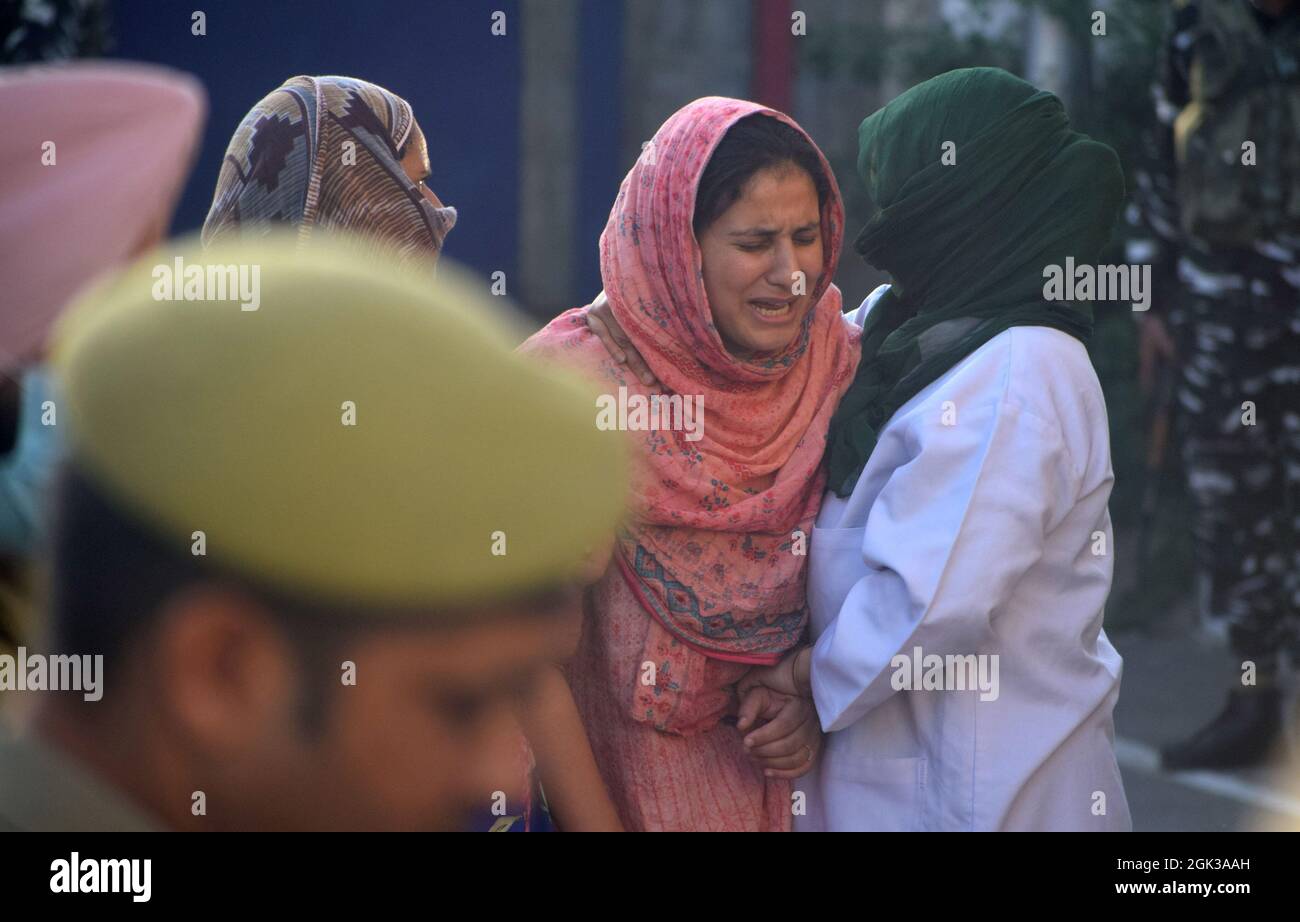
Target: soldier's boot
<point>1242,735</point>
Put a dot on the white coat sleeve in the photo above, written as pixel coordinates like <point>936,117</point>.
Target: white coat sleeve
<point>945,543</point>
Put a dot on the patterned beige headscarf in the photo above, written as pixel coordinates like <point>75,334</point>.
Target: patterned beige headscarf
<point>325,153</point>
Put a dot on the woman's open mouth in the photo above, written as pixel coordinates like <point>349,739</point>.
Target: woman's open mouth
<point>773,311</point>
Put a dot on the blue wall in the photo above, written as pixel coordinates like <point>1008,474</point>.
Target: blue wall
<point>440,55</point>
<point>600,112</point>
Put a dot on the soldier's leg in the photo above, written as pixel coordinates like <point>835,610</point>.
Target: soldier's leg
<point>1288,389</point>
<point>1217,448</point>
<point>1260,509</point>
<point>1232,422</point>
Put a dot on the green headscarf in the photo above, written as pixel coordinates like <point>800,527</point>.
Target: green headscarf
<point>966,243</point>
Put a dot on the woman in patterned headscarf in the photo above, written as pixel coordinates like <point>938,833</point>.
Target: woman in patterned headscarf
<point>335,154</point>
<point>717,259</point>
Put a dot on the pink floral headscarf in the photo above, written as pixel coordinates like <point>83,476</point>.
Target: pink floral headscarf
<point>711,550</point>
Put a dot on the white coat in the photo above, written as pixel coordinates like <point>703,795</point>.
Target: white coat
<point>979,526</point>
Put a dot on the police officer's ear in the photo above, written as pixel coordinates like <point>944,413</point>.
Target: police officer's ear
<point>225,674</point>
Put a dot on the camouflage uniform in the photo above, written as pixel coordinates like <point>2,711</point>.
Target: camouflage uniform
<point>1225,247</point>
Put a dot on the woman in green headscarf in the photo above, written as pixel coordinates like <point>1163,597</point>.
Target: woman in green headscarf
<point>962,556</point>
<point>976,184</point>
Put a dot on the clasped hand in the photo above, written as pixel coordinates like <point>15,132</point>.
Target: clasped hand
<point>777,700</point>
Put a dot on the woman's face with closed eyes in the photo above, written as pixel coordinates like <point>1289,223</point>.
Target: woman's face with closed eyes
<point>762,261</point>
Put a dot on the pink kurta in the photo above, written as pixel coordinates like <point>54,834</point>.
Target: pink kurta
<point>693,777</point>
<point>707,578</point>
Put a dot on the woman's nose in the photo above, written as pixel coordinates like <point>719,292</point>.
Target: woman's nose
<point>784,265</point>
<point>432,197</point>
